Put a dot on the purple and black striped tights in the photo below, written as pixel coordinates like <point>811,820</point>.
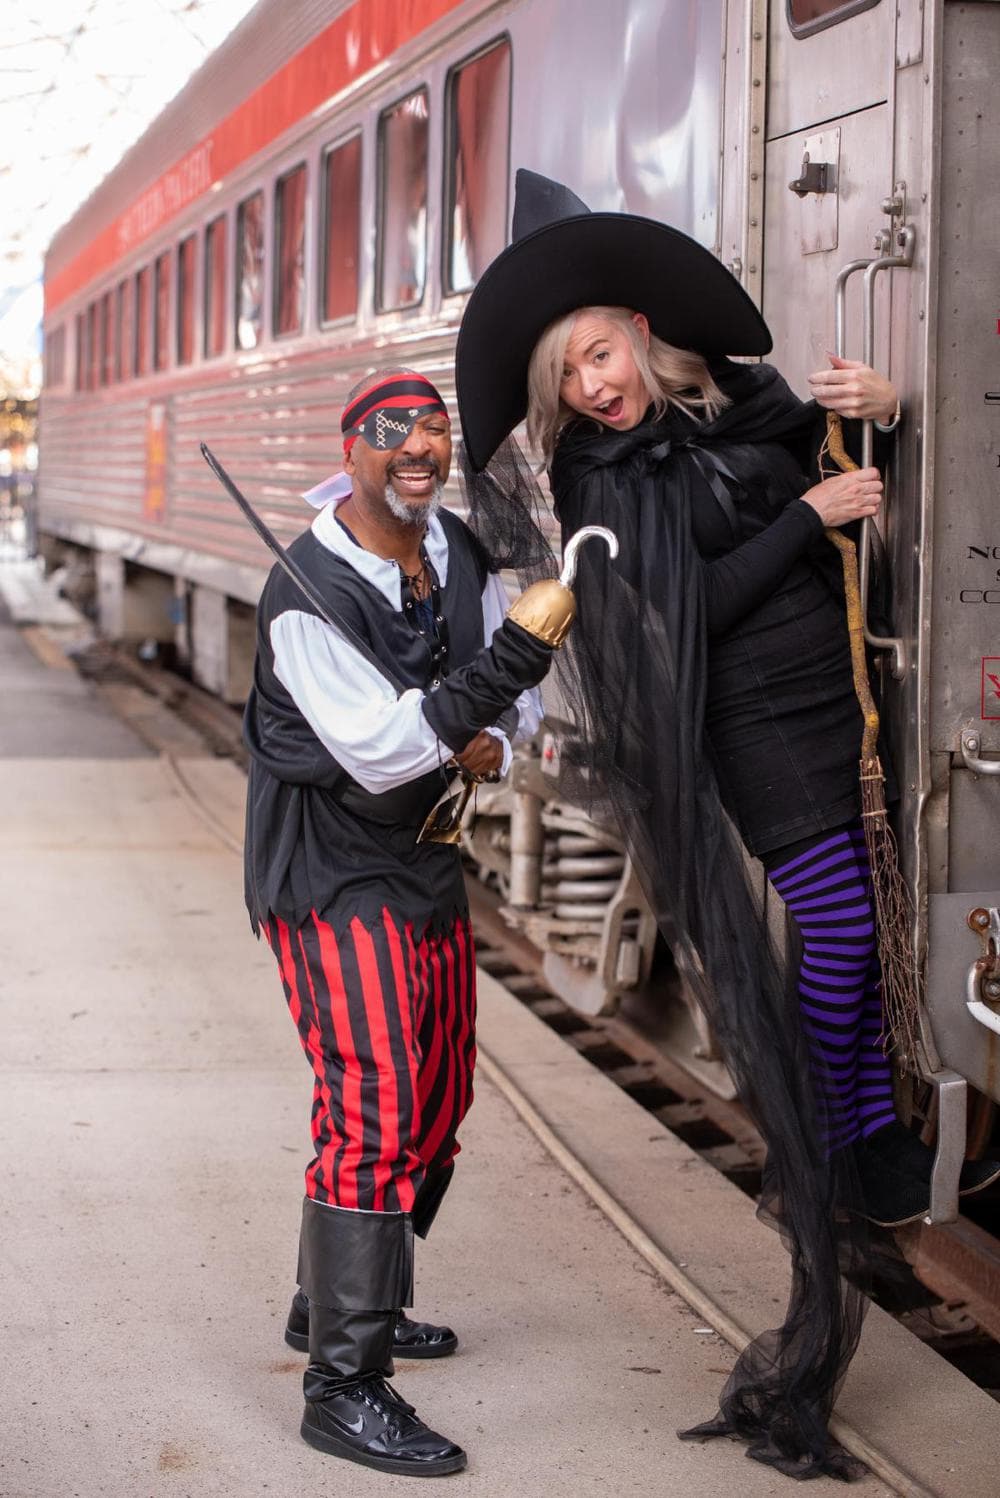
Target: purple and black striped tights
<point>825,882</point>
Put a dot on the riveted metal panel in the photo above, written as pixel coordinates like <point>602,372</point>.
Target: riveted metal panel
<point>816,79</point>
<point>966,598</point>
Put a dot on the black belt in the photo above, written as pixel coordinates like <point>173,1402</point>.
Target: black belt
<point>404,806</point>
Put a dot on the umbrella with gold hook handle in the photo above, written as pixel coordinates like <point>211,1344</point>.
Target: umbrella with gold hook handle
<point>546,610</point>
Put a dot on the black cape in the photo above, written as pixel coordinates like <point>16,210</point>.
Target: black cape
<point>635,677</point>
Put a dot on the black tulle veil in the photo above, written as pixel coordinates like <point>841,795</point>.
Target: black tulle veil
<point>634,675</point>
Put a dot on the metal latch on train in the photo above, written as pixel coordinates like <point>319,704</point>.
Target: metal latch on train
<point>817,189</point>
<point>814,177</point>
<point>982,993</point>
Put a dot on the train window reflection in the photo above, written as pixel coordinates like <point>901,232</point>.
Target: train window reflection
<point>215,287</point>
<point>126,332</point>
<point>143,303</point>
<point>93,344</point>
<point>479,143</point>
<point>161,317</point>
<point>808,16</point>
<point>403,203</point>
<point>80,360</point>
<point>250,271</point>
<point>185,299</point>
<point>107,338</point>
<point>290,238</point>
<point>54,356</point>
<point>342,219</point>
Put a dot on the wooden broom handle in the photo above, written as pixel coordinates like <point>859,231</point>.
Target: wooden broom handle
<point>852,589</point>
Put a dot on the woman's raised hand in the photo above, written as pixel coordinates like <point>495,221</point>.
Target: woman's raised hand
<point>855,390</point>
<point>847,496</point>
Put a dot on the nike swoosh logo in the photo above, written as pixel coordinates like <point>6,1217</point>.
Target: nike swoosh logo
<point>353,1427</point>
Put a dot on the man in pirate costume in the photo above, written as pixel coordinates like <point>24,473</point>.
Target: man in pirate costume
<point>349,735</point>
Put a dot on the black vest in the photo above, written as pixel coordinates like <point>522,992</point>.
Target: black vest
<point>315,838</point>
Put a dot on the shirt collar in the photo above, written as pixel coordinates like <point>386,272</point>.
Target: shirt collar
<point>386,576</point>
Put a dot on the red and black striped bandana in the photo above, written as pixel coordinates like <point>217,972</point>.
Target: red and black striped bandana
<point>386,414</point>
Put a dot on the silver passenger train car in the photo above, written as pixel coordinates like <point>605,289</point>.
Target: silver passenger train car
<point>321,197</point>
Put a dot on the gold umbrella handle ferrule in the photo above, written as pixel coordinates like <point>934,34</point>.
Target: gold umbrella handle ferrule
<point>548,608</point>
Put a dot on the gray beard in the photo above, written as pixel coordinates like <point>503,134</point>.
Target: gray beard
<point>415,516</point>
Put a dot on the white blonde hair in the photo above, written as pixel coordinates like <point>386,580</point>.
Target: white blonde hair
<point>671,377</point>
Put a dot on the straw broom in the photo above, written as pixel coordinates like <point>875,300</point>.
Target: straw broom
<point>891,897</point>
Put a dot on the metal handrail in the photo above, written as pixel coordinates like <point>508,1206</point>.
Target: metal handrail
<point>840,305</point>
<point>884,262</point>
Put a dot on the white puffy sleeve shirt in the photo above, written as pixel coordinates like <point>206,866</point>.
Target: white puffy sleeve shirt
<point>380,739</point>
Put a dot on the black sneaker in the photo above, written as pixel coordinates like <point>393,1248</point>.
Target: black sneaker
<point>411,1339</point>
<point>368,1422</point>
<point>422,1339</point>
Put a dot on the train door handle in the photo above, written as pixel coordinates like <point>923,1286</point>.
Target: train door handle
<point>905,239</point>
<point>840,304</point>
<point>971,758</point>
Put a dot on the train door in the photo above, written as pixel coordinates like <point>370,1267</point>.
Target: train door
<point>845,196</point>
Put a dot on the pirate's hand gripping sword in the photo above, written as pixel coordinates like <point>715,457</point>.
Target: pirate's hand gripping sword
<point>546,610</point>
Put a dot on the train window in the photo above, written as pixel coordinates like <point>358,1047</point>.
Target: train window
<point>341,228</point>
<point>250,271</point>
<point>186,307</point>
<point>108,338</point>
<point>80,360</point>
<point>93,345</point>
<point>126,331</point>
<point>808,16</point>
<point>143,305</point>
<point>290,250</point>
<point>478,159</point>
<point>161,310</point>
<point>402,219</point>
<point>54,356</point>
<point>215,287</point>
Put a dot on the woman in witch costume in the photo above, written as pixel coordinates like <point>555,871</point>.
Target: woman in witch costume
<point>711,677</point>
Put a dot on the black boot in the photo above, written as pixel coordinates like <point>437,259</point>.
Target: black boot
<point>892,1197</point>
<point>349,1263</point>
<point>411,1339</point>
<point>352,1412</point>
<point>905,1152</point>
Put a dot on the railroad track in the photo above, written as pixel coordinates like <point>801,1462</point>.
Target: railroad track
<point>952,1299</point>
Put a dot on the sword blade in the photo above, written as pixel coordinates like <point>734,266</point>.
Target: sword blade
<point>294,571</point>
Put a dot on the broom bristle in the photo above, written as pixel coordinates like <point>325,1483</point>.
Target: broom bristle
<point>894,921</point>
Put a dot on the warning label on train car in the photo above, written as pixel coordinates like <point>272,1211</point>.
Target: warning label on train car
<point>155,503</point>
<point>991,687</point>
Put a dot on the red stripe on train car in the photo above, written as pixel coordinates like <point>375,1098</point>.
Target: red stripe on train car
<point>356,43</point>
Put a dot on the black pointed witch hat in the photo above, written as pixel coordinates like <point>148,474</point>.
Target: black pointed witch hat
<point>563,257</point>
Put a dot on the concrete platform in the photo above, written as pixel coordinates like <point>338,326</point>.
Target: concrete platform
<point>154,1109</point>
<point>47,710</point>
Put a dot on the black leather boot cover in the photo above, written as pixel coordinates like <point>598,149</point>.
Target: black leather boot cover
<point>345,1347</point>
<point>355,1261</point>
<point>356,1268</point>
<point>429,1198</point>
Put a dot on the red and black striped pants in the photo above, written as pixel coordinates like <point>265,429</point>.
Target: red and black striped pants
<point>388,1025</point>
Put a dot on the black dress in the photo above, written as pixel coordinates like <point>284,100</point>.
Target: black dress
<point>782,721</point>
